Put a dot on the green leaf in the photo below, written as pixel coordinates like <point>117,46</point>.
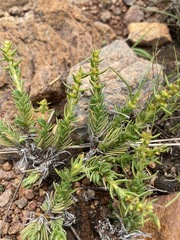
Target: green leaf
<point>45,136</point>
<point>32,178</point>
<point>9,135</point>
<point>57,231</point>
<point>24,119</point>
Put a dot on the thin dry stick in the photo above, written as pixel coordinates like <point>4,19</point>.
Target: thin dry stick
<point>164,140</point>
<point>161,142</point>
<point>75,233</point>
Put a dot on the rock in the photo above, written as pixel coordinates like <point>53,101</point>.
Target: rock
<point>15,228</point>
<point>11,3</point>
<point>106,31</point>
<point>22,202</point>
<point>29,194</point>
<point>121,57</point>
<point>17,211</point>
<point>151,33</point>
<point>86,181</point>
<point>117,11</point>
<point>129,2</point>
<point>26,215</point>
<point>2,14</point>
<point>41,85</point>
<point>166,184</point>
<point>78,1</point>
<point>169,218</point>
<point>32,205</point>
<point>4,228</point>
<point>7,166</point>
<point>105,16</point>
<point>16,181</point>
<point>6,175</point>
<point>134,14</point>
<point>15,11</point>
<point>51,37</point>
<point>7,156</point>
<point>5,197</point>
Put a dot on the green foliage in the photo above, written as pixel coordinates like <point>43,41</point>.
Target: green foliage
<point>64,128</point>
<point>98,119</point>
<point>57,230</point>
<point>22,101</point>
<point>140,51</point>
<point>115,145</point>
<point>8,135</point>
<point>36,230</point>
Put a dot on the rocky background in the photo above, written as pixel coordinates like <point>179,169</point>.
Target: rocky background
<point>53,38</point>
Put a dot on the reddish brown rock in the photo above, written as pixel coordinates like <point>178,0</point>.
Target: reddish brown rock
<point>5,228</point>
<point>26,215</point>
<point>51,37</point>
<point>29,194</point>
<point>6,175</point>
<point>169,218</point>
<point>32,205</point>
<point>5,197</point>
<point>15,228</point>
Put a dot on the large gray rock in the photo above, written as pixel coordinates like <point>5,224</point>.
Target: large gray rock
<point>120,56</point>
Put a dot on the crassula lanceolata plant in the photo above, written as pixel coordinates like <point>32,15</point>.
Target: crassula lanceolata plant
<point>116,145</point>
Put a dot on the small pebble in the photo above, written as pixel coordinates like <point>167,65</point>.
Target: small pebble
<point>166,184</point>
<point>15,11</point>
<point>15,227</point>
<point>29,194</point>
<point>32,205</point>
<point>78,191</point>
<point>4,229</point>
<point>41,192</point>
<point>22,202</point>
<point>17,210</point>
<point>15,183</point>
<point>152,165</point>
<point>15,218</point>
<point>129,2</point>
<point>96,202</point>
<point>6,175</point>
<point>77,184</point>
<point>7,166</point>
<point>5,197</point>
<point>40,199</point>
<point>86,181</point>
<point>90,193</point>
<point>26,215</point>
<point>92,206</point>
<point>105,16</point>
